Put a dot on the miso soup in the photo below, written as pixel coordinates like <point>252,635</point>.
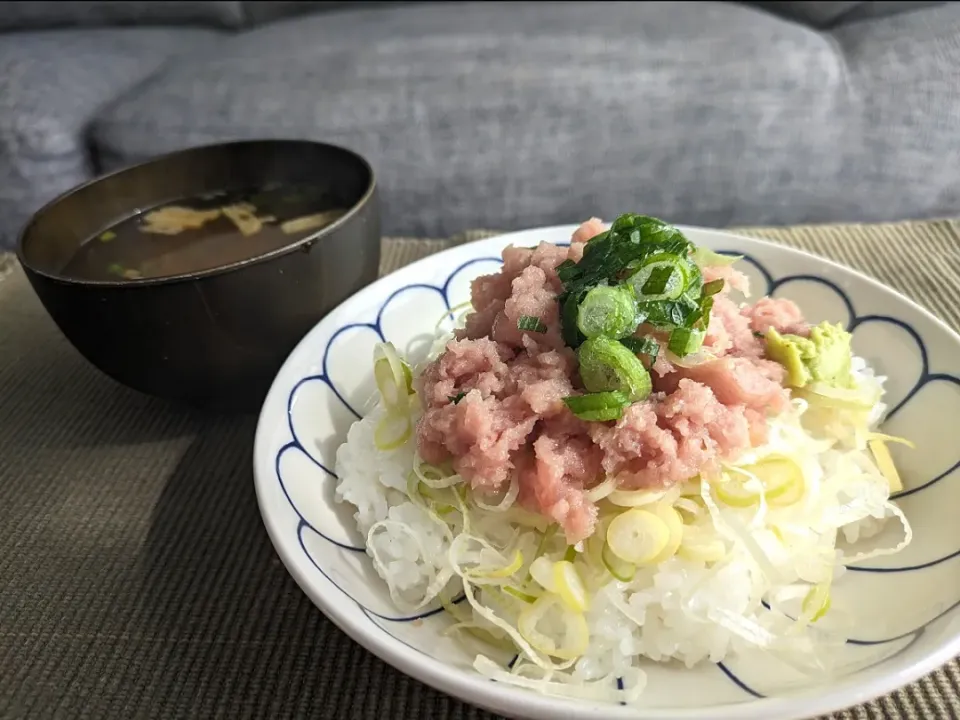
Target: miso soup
<point>203,233</point>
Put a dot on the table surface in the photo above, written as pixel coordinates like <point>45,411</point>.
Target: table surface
<point>137,580</point>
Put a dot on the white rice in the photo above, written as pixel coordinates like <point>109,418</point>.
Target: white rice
<point>679,610</point>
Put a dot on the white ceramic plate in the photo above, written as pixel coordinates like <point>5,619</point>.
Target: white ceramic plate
<point>907,607</point>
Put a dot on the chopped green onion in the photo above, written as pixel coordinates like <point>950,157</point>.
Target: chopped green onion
<point>682,312</point>
<point>107,236</point>
<point>597,407</point>
<point>115,269</point>
<point>567,271</point>
<point>703,319</point>
<point>660,277</point>
<point>569,310</point>
<point>641,345</point>
<point>456,398</point>
<point>531,324</point>
<point>684,341</point>
<point>609,311</point>
<point>605,364</point>
<point>599,236</point>
<point>661,267</point>
<point>712,287</point>
<point>649,232</point>
<point>695,281</point>
<point>631,239</point>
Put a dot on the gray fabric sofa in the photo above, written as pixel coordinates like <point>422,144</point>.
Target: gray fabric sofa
<point>507,114</point>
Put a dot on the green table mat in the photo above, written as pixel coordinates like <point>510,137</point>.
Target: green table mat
<point>137,580</point>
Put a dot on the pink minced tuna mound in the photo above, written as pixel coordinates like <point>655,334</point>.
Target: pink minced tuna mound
<point>493,399</point>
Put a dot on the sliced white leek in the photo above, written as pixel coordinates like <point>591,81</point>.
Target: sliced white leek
<point>570,587</point>
<point>705,257</point>
<point>782,480</point>
<point>450,313</point>
<point>541,570</point>
<point>413,489</point>
<point>637,536</point>
<point>840,398</point>
<point>735,493</point>
<point>519,594</point>
<point>620,569</point>
<point>497,573</point>
<point>671,518</point>
<point>777,478</point>
<point>892,439</point>
<point>482,634</point>
<point>635,498</point>
<point>691,487</point>
<point>393,377</point>
<point>392,431</point>
<point>604,489</point>
<point>881,453</point>
<point>434,477</point>
<point>816,603</point>
<point>504,502</point>
<point>699,545</point>
<point>690,508</point>
<point>574,639</point>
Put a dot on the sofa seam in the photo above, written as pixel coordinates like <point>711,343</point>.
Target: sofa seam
<point>88,132</point>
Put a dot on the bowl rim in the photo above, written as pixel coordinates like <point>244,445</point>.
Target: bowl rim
<point>309,239</point>
<point>844,693</point>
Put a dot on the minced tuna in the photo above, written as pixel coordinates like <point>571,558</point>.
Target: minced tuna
<point>493,400</point>
<point>671,437</point>
<point>779,313</point>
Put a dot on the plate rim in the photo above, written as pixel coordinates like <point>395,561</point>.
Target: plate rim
<point>843,694</point>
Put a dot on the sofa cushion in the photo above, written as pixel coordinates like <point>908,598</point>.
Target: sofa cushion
<point>823,14</point>
<point>38,14</point>
<point>51,85</point>
<point>43,14</point>
<point>510,115</point>
<point>903,73</point>
<point>257,12</point>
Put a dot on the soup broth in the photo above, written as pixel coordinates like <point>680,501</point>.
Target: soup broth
<point>203,233</point>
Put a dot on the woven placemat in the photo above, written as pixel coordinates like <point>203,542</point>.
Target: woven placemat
<point>137,581</point>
